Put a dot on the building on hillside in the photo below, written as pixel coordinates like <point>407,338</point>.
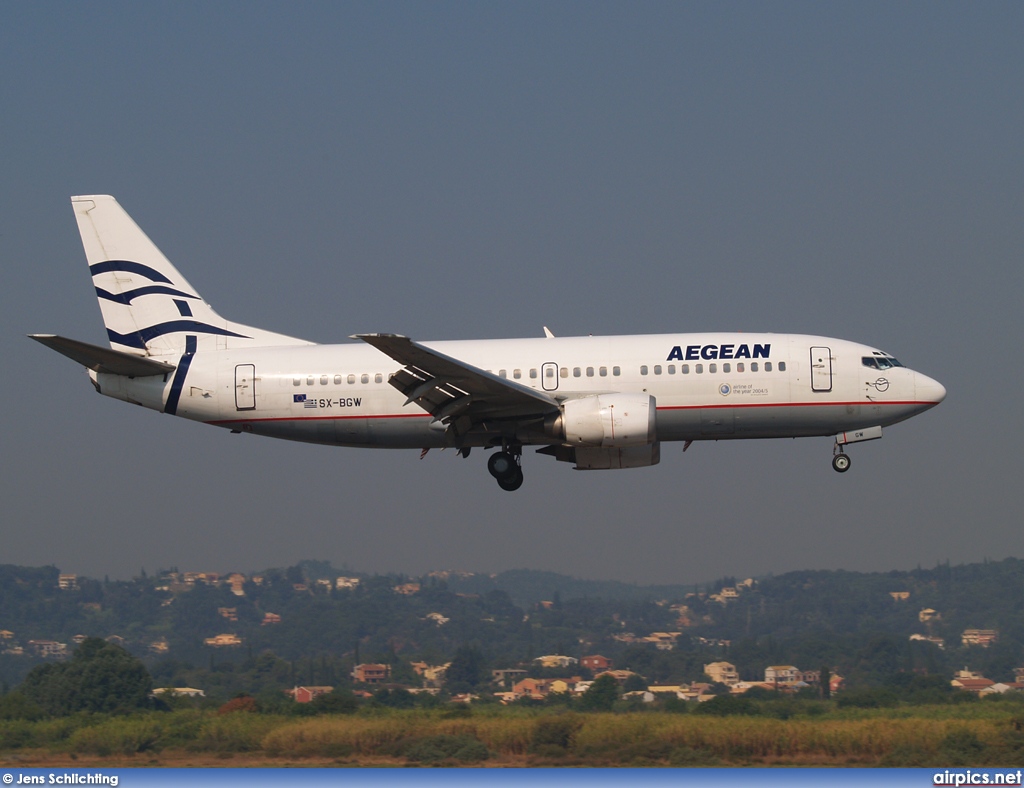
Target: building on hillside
<point>663,641</point>
<point>927,615</point>
<point>782,675</point>
<point>308,694</point>
<point>407,589</point>
<point>899,596</point>
<point>930,639</point>
<point>236,580</point>
<point>534,689</point>
<point>620,676</point>
<point>230,613</point>
<point>596,663</point>
<point>742,686</point>
<point>433,675</point>
<point>722,672</point>
<point>505,674</point>
<point>48,648</point>
<point>346,582</point>
<point>979,637</point>
<point>556,661</point>
<point>371,673</point>
<point>186,692</point>
<point>160,646</point>
<point>67,582</point>
<point>221,641</point>
<point>270,618</point>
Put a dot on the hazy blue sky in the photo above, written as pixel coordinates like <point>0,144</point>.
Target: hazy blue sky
<point>460,170</point>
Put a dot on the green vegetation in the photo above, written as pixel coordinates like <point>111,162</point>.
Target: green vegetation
<point>539,736</point>
<point>897,706</point>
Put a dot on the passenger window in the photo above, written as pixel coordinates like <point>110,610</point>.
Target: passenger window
<point>296,381</point>
<point>671,369</point>
<point>712,368</point>
<point>563,372</point>
<point>767,366</point>
<point>616,371</point>
<point>739,367</point>
<point>699,368</point>
<point>576,372</point>
<point>533,374</point>
<point>657,369</point>
<point>323,380</point>
<point>603,372</point>
<point>643,370</point>
<point>782,366</point>
<point>309,381</point>
<point>517,373</point>
<point>337,380</point>
<point>685,369</point>
<point>726,367</point>
<point>753,366</point>
<point>378,378</point>
<point>590,372</point>
<point>364,378</point>
<point>549,372</point>
<point>351,379</point>
<point>502,373</point>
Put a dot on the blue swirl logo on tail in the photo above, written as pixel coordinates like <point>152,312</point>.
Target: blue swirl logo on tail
<point>139,339</point>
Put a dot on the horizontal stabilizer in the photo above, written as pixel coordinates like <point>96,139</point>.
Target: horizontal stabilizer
<point>102,359</point>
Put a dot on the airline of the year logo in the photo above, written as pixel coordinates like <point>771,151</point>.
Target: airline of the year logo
<point>713,352</point>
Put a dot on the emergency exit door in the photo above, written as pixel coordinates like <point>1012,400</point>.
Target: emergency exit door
<point>821,369</point>
<point>245,387</point>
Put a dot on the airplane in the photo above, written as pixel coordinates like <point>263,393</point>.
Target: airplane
<point>599,402</point>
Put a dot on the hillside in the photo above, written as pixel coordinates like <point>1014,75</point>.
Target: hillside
<point>314,627</point>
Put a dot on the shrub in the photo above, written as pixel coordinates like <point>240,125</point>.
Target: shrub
<point>554,732</point>
<point>439,748</point>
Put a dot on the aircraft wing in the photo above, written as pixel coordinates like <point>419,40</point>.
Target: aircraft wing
<point>453,391</point>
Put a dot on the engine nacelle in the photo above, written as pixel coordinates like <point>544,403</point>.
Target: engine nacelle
<point>606,421</point>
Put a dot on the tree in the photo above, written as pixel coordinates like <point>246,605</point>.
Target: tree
<point>601,695</point>
<point>467,670</point>
<point>99,677</point>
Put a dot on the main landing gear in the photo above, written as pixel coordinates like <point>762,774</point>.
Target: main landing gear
<point>505,468</point>
<point>840,460</point>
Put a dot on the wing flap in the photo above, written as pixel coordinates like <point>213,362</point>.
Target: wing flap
<point>448,388</point>
<point>102,359</point>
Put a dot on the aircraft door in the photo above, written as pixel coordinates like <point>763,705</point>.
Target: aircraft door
<point>821,369</point>
<point>549,376</point>
<point>245,387</point>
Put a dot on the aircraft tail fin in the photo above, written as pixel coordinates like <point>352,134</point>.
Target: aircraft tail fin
<point>148,307</point>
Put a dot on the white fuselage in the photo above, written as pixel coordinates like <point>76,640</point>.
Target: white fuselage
<point>707,386</point>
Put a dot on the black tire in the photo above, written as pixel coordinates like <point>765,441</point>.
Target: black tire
<point>841,463</point>
<point>513,482</point>
<point>501,465</point>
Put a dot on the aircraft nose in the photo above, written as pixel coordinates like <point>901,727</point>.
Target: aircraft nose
<point>928,390</point>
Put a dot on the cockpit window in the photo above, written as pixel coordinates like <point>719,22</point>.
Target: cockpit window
<point>880,362</point>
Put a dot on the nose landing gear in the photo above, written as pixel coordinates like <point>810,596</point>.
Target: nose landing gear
<point>841,461</point>
<point>505,468</point>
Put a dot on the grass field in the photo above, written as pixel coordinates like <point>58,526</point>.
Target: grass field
<point>981,735</point>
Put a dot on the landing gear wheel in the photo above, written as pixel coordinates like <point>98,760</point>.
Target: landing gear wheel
<point>502,465</point>
<point>512,482</point>
<point>841,462</point>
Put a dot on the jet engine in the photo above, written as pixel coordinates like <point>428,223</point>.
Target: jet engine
<point>605,421</point>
